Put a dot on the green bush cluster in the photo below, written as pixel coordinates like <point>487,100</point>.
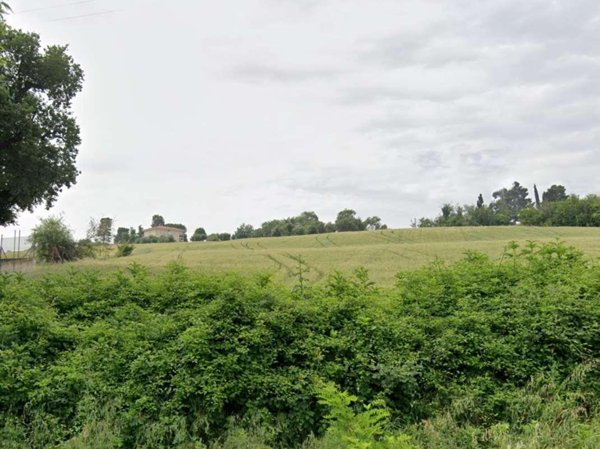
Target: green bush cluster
<point>125,249</point>
<point>156,239</point>
<point>472,355</point>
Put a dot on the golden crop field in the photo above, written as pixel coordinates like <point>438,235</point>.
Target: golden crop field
<point>383,253</point>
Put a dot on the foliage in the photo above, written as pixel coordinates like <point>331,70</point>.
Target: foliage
<point>52,241</point>
<point>308,223</point>
<point>200,235</point>
<point>4,8</point>
<point>572,211</point>
<point>157,220</point>
<point>510,202</point>
<point>154,239</point>
<point>348,221</point>
<point>363,430</point>
<point>38,134</point>
<point>127,235</point>
<point>104,232</point>
<point>244,231</point>
<point>555,193</point>
<point>512,206</point>
<point>372,223</point>
<point>188,360</point>
<point>176,226</point>
<point>125,249</point>
<point>85,249</point>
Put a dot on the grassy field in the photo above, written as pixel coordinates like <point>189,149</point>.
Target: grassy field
<point>383,253</point>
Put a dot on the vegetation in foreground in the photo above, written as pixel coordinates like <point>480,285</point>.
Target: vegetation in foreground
<point>479,354</point>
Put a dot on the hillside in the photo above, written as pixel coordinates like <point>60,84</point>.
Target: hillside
<point>383,253</point>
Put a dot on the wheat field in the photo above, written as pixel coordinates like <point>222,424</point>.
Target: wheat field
<point>383,253</point>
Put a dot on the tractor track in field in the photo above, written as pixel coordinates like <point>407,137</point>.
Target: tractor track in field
<point>331,241</point>
<point>320,242</point>
<point>403,256</point>
<point>385,238</point>
<point>280,265</point>
<point>246,245</point>
<point>320,274</point>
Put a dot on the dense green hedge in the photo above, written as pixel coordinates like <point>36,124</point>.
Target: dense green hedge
<point>183,358</point>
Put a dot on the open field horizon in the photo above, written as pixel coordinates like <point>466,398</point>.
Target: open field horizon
<point>383,253</point>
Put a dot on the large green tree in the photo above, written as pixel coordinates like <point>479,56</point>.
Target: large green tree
<point>347,220</point>
<point>157,220</point>
<point>510,202</point>
<point>38,133</point>
<point>52,241</point>
<point>199,235</point>
<point>244,231</point>
<point>554,194</point>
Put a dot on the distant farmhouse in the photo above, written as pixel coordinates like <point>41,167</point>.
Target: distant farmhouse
<point>159,231</point>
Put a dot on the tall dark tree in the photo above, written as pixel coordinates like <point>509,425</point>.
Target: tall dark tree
<point>157,220</point>
<point>536,196</point>
<point>554,194</point>
<point>38,133</point>
<point>447,211</point>
<point>510,202</point>
<point>348,221</point>
<point>105,230</point>
<point>123,235</point>
<point>199,235</point>
<point>480,202</point>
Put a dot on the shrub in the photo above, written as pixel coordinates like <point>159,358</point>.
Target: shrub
<point>125,249</point>
<point>85,248</point>
<point>53,241</point>
<point>479,354</point>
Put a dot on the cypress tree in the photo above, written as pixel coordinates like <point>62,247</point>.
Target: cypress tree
<point>536,194</point>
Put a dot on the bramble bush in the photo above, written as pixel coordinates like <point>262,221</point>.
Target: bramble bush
<point>479,354</point>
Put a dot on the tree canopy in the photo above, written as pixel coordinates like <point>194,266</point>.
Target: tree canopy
<point>38,133</point>
<point>513,206</point>
<point>53,241</point>
<point>157,220</point>
<point>555,193</point>
<point>199,235</point>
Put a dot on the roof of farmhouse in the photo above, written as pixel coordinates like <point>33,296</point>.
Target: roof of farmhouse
<point>164,228</point>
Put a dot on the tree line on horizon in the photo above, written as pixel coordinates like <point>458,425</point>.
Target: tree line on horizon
<point>512,206</point>
<point>306,223</point>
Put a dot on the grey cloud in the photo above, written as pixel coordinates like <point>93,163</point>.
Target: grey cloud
<point>536,20</point>
<point>485,160</point>
<point>264,73</point>
<point>373,184</point>
<point>423,50</point>
<point>359,95</point>
<point>430,160</point>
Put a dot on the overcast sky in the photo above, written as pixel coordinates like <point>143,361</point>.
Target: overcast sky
<point>214,113</point>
